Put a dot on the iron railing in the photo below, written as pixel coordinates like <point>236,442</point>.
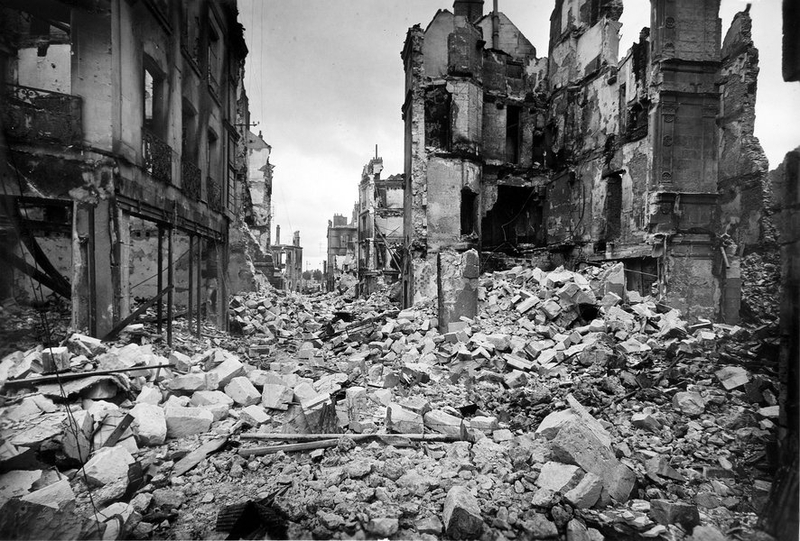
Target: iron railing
<point>34,115</point>
<point>190,179</point>
<point>157,157</point>
<point>213,194</point>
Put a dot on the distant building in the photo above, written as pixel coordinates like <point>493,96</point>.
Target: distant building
<point>380,227</point>
<point>582,156</point>
<point>342,240</point>
<point>288,262</point>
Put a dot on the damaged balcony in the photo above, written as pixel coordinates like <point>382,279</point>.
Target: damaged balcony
<point>213,194</point>
<point>34,115</point>
<point>157,157</point>
<point>190,179</point>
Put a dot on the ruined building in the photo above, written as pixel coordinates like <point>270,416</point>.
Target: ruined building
<point>582,157</point>
<point>123,157</point>
<point>258,205</point>
<point>288,261</point>
<point>380,227</point>
<point>341,256</point>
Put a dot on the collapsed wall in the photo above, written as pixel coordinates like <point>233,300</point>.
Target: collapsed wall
<point>584,158</point>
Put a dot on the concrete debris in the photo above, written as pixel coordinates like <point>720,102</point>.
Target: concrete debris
<point>462,515</point>
<point>575,407</point>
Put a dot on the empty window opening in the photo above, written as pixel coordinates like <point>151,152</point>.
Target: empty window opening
<point>437,118</point>
<point>469,211</point>
<point>154,107</point>
<point>613,207</point>
<point>512,133</point>
<point>641,274</point>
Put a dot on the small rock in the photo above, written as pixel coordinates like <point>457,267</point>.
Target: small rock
<point>668,512</point>
<point>690,403</point>
<point>462,514</point>
<point>383,527</point>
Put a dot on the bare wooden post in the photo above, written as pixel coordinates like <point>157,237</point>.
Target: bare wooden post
<point>160,271</point>
<point>190,306</point>
<point>170,279</point>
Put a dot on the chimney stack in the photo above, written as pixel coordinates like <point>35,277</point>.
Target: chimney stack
<point>297,238</point>
<point>277,234</point>
<point>471,9</point>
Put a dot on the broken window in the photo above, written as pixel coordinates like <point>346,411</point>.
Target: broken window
<point>469,200</point>
<point>212,155</point>
<point>154,107</point>
<point>437,118</point>
<point>512,133</point>
<point>613,207</point>
<point>637,121</point>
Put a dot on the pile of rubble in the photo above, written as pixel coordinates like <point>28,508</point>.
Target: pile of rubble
<point>567,406</point>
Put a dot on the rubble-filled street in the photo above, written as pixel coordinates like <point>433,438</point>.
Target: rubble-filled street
<point>569,408</point>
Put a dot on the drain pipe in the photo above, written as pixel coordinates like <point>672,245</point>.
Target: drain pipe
<point>495,27</point>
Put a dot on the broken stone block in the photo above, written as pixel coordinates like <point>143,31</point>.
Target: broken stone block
<point>210,398</point>
<point>559,477</point>
<point>150,425</point>
<point>515,379</point>
<point>527,304</point>
<point>690,403</point>
<point>586,493</point>
<point>115,430</point>
<point>259,378</point>
<point>254,415</point>
<point>551,309</point>
<point>108,465</point>
<point>485,424</point>
<point>227,370</point>
<point>576,443</point>
<point>183,363</point>
<point>304,391</point>
<point>193,381</point>
<point>55,359</point>
<point>242,391</point>
<point>443,423</point>
<point>53,495</point>
<point>77,442</point>
<point>276,396</point>
<point>462,515</point>
<point>382,527</point>
<point>732,377</point>
<point>81,344</point>
<point>551,424</point>
<point>770,412</point>
<point>403,421</point>
<point>429,525</point>
<point>17,483</point>
<point>667,512</point>
<point>149,395</point>
<point>183,421</point>
<point>381,396</point>
<point>646,421</point>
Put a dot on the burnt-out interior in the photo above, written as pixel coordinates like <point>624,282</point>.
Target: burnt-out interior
<point>469,211</point>
<point>640,274</point>
<point>516,218</point>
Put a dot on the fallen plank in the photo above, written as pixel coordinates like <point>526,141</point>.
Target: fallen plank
<point>291,447</point>
<point>195,457</point>
<point>68,376</point>
<point>354,437</point>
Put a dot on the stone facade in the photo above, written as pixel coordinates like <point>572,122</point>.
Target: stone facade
<point>583,157</point>
<point>380,227</point>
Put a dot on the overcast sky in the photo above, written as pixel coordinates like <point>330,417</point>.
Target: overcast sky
<point>325,82</point>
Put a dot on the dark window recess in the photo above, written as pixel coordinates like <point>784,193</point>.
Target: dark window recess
<point>437,118</point>
<point>539,149</point>
<point>514,70</point>
<point>469,200</point>
<point>623,116</point>
<point>613,210</point>
<point>512,133</point>
<point>637,121</point>
<point>516,218</point>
